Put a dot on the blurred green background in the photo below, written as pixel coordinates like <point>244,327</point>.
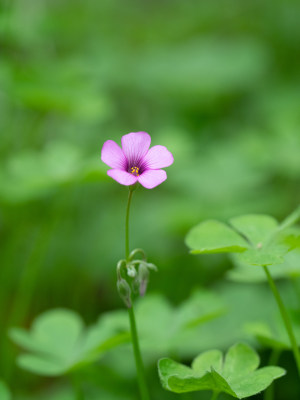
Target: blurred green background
<point>217,82</point>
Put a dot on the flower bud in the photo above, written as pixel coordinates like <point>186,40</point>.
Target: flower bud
<point>131,271</point>
<point>143,278</point>
<point>124,291</point>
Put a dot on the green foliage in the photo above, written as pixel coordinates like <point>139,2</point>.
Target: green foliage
<point>236,375</point>
<point>199,75</point>
<point>171,323</point>
<point>241,272</point>
<point>267,337</point>
<point>293,237</point>
<point>273,335</point>
<point>214,237</point>
<point>164,339</point>
<point>29,175</point>
<point>58,343</point>
<point>76,73</point>
<point>4,392</point>
<point>258,238</point>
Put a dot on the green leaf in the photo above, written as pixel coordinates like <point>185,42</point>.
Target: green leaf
<point>257,381</point>
<point>237,376</point>
<point>180,379</point>
<point>58,342</point>
<point>242,273</point>
<point>270,255</point>
<point>168,367</point>
<point>4,392</point>
<point>256,228</point>
<point>41,365</point>
<point>58,331</point>
<point>179,384</point>
<point>214,237</point>
<point>25,340</point>
<point>240,359</point>
<point>256,239</point>
<point>207,360</point>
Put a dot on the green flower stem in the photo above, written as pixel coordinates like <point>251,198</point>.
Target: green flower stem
<point>214,396</point>
<point>285,317</point>
<point>274,358</point>
<point>134,334</point>
<point>138,358</point>
<point>127,224</point>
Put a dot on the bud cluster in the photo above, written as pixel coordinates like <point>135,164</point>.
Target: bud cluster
<point>133,276</point>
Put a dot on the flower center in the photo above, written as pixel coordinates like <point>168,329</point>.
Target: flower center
<point>135,171</point>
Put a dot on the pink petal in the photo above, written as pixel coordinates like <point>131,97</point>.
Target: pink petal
<point>112,155</point>
<point>158,157</point>
<point>122,177</point>
<point>135,146</point>
<point>152,177</point>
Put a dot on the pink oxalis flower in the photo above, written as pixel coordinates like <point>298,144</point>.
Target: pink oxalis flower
<point>135,162</point>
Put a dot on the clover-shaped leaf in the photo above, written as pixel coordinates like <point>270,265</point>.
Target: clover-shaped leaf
<point>257,239</point>
<point>58,342</point>
<point>4,392</point>
<point>236,374</point>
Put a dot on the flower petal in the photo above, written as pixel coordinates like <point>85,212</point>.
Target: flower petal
<point>112,155</point>
<point>152,177</point>
<point>158,157</point>
<point>122,177</point>
<point>135,146</point>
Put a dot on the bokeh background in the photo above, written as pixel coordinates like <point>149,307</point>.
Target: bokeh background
<point>217,82</point>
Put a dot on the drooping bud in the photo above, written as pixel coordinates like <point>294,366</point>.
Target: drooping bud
<point>124,291</point>
<point>143,278</point>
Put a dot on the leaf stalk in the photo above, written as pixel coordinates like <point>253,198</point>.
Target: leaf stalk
<point>285,317</point>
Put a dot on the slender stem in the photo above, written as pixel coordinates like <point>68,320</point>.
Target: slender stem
<point>285,317</point>
<point>138,358</point>
<point>134,334</point>
<point>214,395</point>
<point>127,224</point>
<point>274,357</point>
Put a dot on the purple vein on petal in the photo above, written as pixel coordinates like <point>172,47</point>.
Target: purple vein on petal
<point>157,157</point>
<point>135,146</point>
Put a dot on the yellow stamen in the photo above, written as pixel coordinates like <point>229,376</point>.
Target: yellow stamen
<point>135,171</point>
